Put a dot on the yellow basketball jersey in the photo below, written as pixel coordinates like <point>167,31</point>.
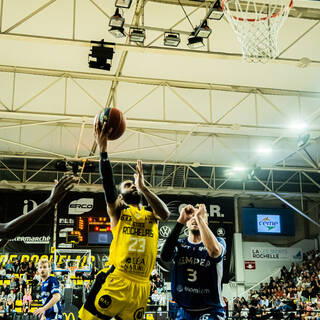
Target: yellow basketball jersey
<point>135,242</point>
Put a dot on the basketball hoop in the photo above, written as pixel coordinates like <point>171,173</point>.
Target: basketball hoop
<point>257,24</point>
<point>72,266</point>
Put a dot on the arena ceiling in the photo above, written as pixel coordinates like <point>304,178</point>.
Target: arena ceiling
<point>191,114</point>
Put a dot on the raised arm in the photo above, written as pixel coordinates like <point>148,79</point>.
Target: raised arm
<point>19,225</point>
<point>209,240</point>
<point>168,249</point>
<point>159,208</point>
<point>106,173</point>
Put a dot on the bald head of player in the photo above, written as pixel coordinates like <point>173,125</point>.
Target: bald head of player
<point>129,193</point>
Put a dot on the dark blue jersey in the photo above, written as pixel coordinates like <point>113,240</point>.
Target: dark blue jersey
<point>196,277</point>
<point>48,289</point>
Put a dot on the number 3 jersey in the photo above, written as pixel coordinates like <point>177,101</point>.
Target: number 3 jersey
<point>196,277</point>
<point>133,250</point>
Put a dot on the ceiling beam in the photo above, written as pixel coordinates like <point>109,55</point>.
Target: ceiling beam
<point>152,49</point>
<point>157,81</point>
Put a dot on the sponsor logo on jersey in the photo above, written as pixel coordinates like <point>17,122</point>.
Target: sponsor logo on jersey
<point>104,301</point>
<point>138,314</point>
<point>134,264</point>
<point>197,290</point>
<point>137,231</point>
<point>194,261</point>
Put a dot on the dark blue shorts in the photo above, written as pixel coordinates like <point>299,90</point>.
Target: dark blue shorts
<point>204,315</point>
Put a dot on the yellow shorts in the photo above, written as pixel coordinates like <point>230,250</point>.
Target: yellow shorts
<point>113,295</point>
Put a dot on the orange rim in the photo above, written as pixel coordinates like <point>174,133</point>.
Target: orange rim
<point>261,19</point>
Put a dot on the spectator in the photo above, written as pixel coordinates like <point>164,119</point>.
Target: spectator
<point>20,292</point>
<point>155,297</point>
<point>9,307</point>
<point>12,296</point>
<point>23,266</point>
<point>31,270</point>
<point>2,273</point>
<point>9,267</point>
<point>2,311</point>
<point>163,301</point>
<point>6,289</point>
<point>13,284</point>
<point>16,265</point>
<point>36,279</point>
<point>26,302</point>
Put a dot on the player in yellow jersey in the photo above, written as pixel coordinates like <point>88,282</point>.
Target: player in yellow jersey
<point>122,290</point>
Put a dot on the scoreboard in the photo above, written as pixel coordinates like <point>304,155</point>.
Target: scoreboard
<point>93,231</point>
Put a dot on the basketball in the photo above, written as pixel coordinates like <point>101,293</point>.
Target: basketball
<point>115,120</point>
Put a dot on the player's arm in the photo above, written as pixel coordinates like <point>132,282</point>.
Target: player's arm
<point>159,208</point>
<point>19,225</point>
<point>106,173</point>
<point>213,246</point>
<point>168,249</point>
<point>55,299</point>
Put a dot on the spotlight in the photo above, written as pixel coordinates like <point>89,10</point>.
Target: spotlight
<point>264,150</point>
<point>100,55</point>
<point>116,20</point>
<point>137,35</point>
<point>303,139</point>
<point>216,12</point>
<point>298,125</point>
<point>117,32</point>
<point>123,3</point>
<point>203,31</point>
<point>195,42</point>
<point>171,39</point>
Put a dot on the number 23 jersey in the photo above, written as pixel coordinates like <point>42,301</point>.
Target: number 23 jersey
<point>135,242</point>
<point>196,277</point>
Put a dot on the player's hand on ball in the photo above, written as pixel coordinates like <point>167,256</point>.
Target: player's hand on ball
<point>186,214</point>
<point>138,176</point>
<point>101,135</point>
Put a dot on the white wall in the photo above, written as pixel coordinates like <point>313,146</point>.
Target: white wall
<point>265,268</point>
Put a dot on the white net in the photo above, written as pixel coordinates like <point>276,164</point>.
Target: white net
<point>257,26</point>
<point>72,265</point>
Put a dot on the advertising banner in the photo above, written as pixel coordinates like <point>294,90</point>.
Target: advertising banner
<point>291,254</point>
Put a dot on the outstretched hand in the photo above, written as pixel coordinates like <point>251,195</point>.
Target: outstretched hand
<point>186,214</point>
<point>200,211</point>
<point>138,176</point>
<point>63,186</point>
<point>101,135</point>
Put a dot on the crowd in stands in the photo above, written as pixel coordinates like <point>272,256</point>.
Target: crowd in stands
<point>294,294</point>
<point>158,292</point>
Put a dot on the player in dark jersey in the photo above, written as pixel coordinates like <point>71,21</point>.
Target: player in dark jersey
<point>19,225</point>
<point>50,294</point>
<point>198,267</point>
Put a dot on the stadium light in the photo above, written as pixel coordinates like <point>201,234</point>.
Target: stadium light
<point>171,39</point>
<point>123,3</point>
<point>195,42</point>
<point>203,31</point>
<point>116,20</point>
<point>137,35</point>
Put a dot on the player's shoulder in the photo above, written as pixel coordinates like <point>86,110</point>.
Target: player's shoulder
<point>53,279</point>
<point>222,242</point>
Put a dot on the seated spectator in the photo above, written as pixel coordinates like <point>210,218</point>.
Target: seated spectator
<point>6,289</point>
<point>12,296</point>
<point>20,292</point>
<point>31,270</point>
<point>2,273</point>
<point>9,267</point>
<point>22,282</point>
<point>23,266</point>
<point>159,283</point>
<point>9,307</point>
<point>36,279</point>
<point>16,265</point>
<point>2,311</point>
<point>26,302</point>
<point>13,284</point>
<point>155,297</point>
<point>28,289</point>
<point>3,298</point>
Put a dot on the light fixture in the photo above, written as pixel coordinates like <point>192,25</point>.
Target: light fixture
<point>116,20</point>
<point>117,32</point>
<point>123,3</point>
<point>216,12</point>
<point>264,150</point>
<point>236,171</point>
<point>99,56</point>
<point>203,31</point>
<point>171,39</point>
<point>195,42</point>
<point>298,125</point>
<point>137,35</point>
